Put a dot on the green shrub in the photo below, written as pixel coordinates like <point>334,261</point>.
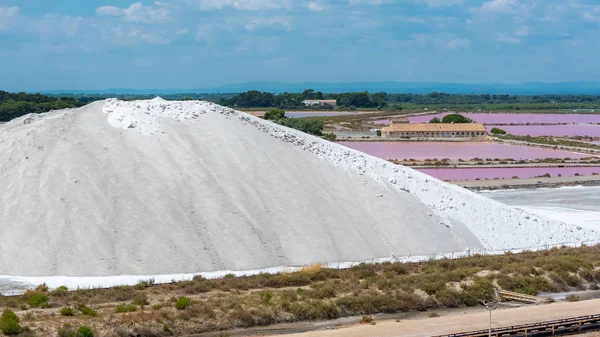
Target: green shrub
<point>529,285</point>
<point>38,300</point>
<point>330,136</point>
<point>124,307</point>
<point>67,311</point>
<point>8,315</point>
<point>229,276</point>
<point>274,114</point>
<point>85,331</point>
<point>85,310</point>
<point>265,297</point>
<point>497,131</point>
<point>378,132</point>
<point>182,303</point>
<point>60,291</point>
<point>140,299</point>
<point>10,327</point>
<point>366,320</point>
<point>157,307</point>
<point>448,298</point>
<point>432,287</point>
<point>166,327</point>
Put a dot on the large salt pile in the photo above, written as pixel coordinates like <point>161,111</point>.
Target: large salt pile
<point>156,187</point>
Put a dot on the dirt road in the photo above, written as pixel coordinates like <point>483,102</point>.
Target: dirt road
<point>459,321</point>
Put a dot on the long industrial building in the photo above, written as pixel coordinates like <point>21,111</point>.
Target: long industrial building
<point>434,130</point>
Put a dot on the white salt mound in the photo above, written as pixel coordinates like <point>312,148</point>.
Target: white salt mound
<point>157,187</point>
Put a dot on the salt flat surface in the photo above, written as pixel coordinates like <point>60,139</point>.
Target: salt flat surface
<point>158,188</point>
<point>576,205</point>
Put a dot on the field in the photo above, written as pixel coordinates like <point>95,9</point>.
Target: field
<point>314,293</point>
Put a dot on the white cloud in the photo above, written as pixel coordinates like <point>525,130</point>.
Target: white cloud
<point>204,32</point>
<point>458,43</point>
<point>182,32</point>
<point>137,12</point>
<point>500,6</point>
<point>6,15</point>
<point>109,11</point>
<point>256,23</point>
<point>9,11</point>
<point>154,38</point>
<point>591,17</point>
<point>241,5</point>
<point>369,2</point>
<point>524,31</point>
<point>441,3</point>
<point>314,7</point>
<point>507,39</point>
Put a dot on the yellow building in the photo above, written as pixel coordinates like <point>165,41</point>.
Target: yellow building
<point>434,130</point>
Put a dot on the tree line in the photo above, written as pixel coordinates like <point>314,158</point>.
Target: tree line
<point>13,105</point>
<point>365,99</point>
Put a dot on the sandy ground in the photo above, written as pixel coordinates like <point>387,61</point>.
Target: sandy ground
<point>162,187</point>
<point>462,322</point>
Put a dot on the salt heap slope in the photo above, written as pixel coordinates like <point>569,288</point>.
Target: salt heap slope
<point>156,187</point>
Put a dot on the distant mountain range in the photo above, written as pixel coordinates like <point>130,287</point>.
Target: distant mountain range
<point>528,88</point>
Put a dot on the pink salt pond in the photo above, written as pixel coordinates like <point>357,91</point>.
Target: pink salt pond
<point>504,118</point>
<point>590,130</point>
<point>455,151</point>
<point>507,173</point>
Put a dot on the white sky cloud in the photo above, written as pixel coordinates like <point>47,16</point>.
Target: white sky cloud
<point>507,39</point>
<point>458,43</point>
<point>500,6</point>
<point>441,3</point>
<point>6,15</point>
<point>241,5</point>
<point>314,7</point>
<point>137,12</point>
<point>9,11</point>
<point>257,23</point>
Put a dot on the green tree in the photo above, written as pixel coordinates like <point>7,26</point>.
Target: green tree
<point>274,115</point>
<point>497,131</point>
<point>456,118</point>
<point>435,120</point>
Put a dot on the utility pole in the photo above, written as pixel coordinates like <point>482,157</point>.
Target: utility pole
<point>489,308</point>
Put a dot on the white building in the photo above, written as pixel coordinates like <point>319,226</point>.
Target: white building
<point>319,102</point>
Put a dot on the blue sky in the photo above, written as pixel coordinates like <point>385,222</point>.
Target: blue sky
<point>96,44</point>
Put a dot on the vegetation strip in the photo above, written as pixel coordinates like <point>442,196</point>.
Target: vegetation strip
<point>314,293</point>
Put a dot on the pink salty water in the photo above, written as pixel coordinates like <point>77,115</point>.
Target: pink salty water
<point>590,130</point>
<point>455,150</point>
<point>507,173</point>
<point>300,114</point>
<point>503,118</point>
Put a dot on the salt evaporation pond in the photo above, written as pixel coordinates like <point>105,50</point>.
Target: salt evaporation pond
<point>590,130</point>
<point>507,173</point>
<point>455,150</point>
<point>300,114</point>
<point>503,118</point>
